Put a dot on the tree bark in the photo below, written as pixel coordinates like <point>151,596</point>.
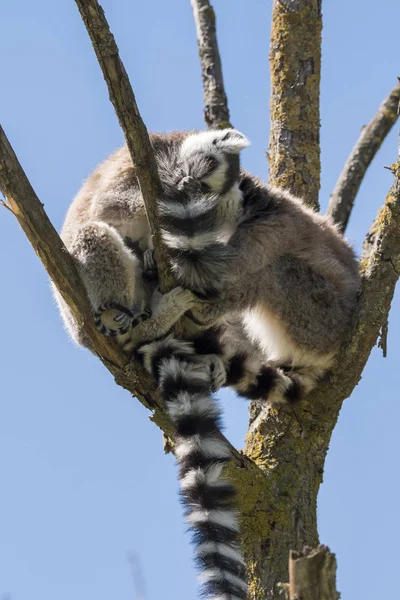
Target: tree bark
<point>295,64</point>
<point>279,473</point>
<point>368,144</point>
<point>127,111</point>
<point>216,112</point>
<point>312,575</point>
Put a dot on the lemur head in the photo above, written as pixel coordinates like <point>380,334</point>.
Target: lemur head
<point>212,158</point>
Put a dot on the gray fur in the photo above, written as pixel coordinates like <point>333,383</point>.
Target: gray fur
<point>107,234</point>
<point>285,272</point>
<point>282,272</point>
<point>107,219</point>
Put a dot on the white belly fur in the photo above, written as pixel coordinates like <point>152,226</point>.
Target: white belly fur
<point>265,329</point>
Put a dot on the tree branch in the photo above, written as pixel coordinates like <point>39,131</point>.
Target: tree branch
<point>22,201</point>
<point>216,112</point>
<point>292,446</point>
<point>127,111</point>
<point>312,575</point>
<point>368,144</point>
<point>295,64</point>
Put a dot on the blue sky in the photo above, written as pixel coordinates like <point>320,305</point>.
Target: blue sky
<point>83,477</point>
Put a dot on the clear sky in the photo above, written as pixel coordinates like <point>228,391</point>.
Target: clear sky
<point>83,477</point>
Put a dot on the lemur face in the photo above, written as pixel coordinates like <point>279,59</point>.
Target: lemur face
<point>212,158</point>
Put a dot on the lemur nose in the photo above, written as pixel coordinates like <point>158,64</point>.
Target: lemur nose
<point>189,184</point>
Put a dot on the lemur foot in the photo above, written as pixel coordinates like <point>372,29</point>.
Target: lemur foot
<point>114,319</point>
<point>217,370</point>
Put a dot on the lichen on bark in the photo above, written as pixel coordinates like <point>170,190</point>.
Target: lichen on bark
<point>295,65</point>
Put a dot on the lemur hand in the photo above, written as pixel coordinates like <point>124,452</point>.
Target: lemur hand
<point>149,265</point>
<point>177,301</point>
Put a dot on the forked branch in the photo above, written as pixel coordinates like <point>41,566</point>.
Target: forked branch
<point>21,199</point>
<point>368,144</point>
<point>127,111</point>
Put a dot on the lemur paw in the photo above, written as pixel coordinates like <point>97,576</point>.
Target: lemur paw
<point>114,319</point>
<point>149,265</point>
<point>217,371</point>
<point>183,300</point>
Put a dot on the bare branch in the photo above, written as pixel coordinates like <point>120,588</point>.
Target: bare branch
<point>295,64</point>
<point>48,245</point>
<point>368,144</point>
<point>136,135</point>
<point>216,112</point>
<point>25,205</point>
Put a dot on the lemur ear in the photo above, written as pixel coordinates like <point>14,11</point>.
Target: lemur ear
<point>229,141</point>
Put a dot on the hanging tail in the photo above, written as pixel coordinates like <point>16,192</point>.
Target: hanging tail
<point>201,454</point>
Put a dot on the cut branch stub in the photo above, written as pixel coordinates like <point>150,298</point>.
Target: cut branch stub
<point>312,575</point>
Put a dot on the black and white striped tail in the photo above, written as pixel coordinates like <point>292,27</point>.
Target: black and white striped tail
<point>196,240</point>
<point>201,455</point>
<point>282,384</point>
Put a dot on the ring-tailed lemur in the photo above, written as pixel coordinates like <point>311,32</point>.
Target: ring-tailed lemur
<point>285,273</point>
<point>104,229</point>
<point>106,226</point>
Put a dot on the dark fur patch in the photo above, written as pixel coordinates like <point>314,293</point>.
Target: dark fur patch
<point>173,385</point>
<point>258,204</point>
<point>190,226</point>
<point>163,353</point>
<point>218,561</point>
<point>222,586</point>
<point>211,532</point>
<point>209,497</point>
<point>201,270</point>
<point>294,393</point>
<point>208,342</point>
<point>265,383</point>
<point>232,172</point>
<point>235,370</point>
<point>189,426</point>
<point>134,247</point>
<point>197,460</point>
